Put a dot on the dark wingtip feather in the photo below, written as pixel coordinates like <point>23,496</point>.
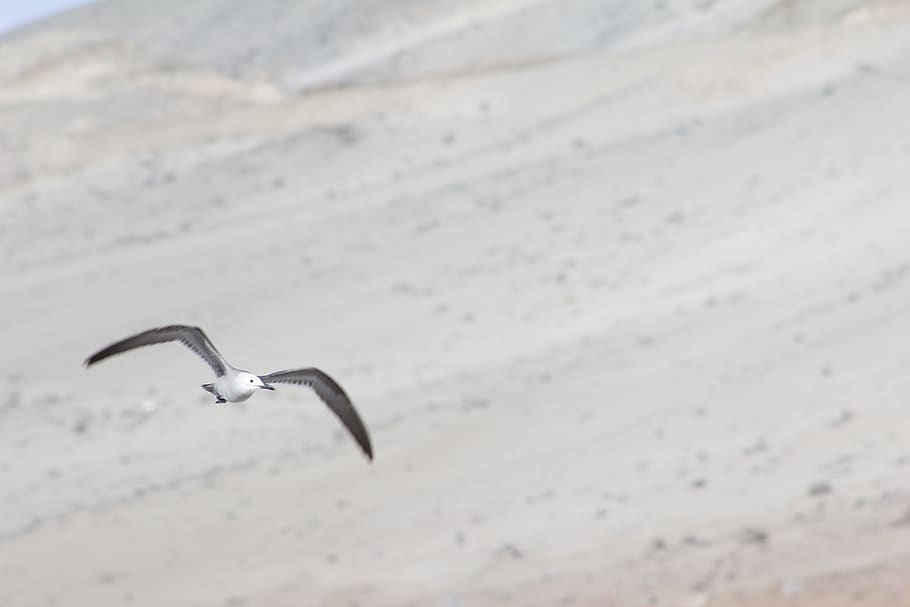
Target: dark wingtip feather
<point>362,438</point>
<point>91,360</point>
<point>359,431</point>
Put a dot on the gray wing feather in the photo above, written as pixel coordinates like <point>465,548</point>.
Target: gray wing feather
<point>331,393</point>
<point>191,337</point>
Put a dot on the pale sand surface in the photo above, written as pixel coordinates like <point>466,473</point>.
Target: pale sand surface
<point>622,291</point>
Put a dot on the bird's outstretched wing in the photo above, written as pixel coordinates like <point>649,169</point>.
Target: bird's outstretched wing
<point>333,396</point>
<point>192,337</point>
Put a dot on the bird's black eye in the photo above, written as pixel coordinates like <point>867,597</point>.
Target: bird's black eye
<point>251,381</point>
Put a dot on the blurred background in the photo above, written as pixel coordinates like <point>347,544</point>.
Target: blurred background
<point>621,290</point>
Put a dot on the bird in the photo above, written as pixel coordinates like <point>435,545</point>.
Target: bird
<point>233,385</point>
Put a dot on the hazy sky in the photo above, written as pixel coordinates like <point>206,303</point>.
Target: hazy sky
<point>14,13</point>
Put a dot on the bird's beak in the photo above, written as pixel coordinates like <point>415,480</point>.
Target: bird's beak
<point>268,387</point>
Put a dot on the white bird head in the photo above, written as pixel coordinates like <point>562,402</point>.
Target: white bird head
<point>249,383</point>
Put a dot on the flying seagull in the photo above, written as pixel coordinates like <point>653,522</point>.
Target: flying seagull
<point>235,385</point>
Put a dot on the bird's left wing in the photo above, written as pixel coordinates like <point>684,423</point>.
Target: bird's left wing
<point>331,393</point>
<point>192,337</point>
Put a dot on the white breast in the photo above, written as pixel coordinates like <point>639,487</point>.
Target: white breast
<point>233,388</point>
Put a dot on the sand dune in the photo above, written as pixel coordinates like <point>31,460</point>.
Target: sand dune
<point>621,292</point>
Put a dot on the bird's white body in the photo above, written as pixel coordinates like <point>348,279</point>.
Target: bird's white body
<point>236,386</point>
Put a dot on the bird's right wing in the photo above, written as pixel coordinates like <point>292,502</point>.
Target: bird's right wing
<point>191,337</point>
<point>332,395</point>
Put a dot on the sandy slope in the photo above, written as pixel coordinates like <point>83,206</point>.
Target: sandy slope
<point>621,293</point>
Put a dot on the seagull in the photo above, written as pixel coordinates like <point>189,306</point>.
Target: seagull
<point>235,385</point>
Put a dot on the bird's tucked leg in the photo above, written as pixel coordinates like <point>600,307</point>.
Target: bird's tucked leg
<point>211,389</point>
